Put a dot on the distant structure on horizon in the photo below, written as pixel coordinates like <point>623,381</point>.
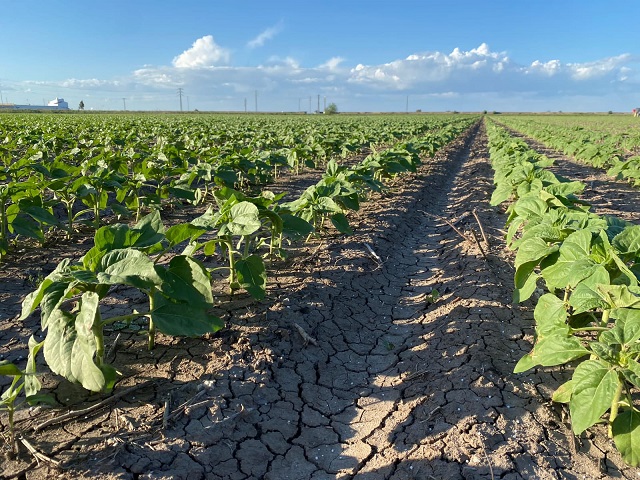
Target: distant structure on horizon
<point>55,104</point>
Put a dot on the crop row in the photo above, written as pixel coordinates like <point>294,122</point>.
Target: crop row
<point>60,171</point>
<point>612,146</point>
<point>589,317</point>
<point>168,265</point>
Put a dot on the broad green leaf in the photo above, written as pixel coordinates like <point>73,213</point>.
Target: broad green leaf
<point>27,227</point>
<point>586,295</point>
<point>341,223</point>
<point>33,299</point>
<point>41,215</point>
<point>69,346</point>
<point>186,280</point>
<point>626,330</point>
<point>632,370</point>
<point>619,296</point>
<point>501,193</point>
<point>551,351</point>
<point>594,387</point>
<point>181,232</point>
<point>533,250</point>
<point>606,352</point>
<point>245,219</point>
<point>531,208</point>
<point>148,231</point>
<point>295,227</point>
<point>327,205</point>
<point>628,241</point>
<point>31,383</point>
<point>182,319</point>
<point>551,316</point>
<point>626,435</point>
<point>525,288</point>
<point>8,368</point>
<point>252,276</point>
<point>127,267</point>
<point>563,392</point>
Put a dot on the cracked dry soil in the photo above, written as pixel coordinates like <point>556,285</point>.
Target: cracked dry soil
<point>394,383</point>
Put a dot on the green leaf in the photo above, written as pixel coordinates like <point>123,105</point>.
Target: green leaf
<point>341,223</point>
<point>186,280</point>
<point>41,215</point>
<point>127,267</point>
<point>252,276</point>
<point>31,383</point>
<point>594,388</point>
<point>27,227</point>
<point>618,296</point>
<point>182,319</point>
<point>551,316</point>
<point>295,227</point>
<point>245,219</point>
<point>586,295</point>
<point>628,241</point>
<point>8,368</point>
<point>551,351</point>
<point>531,208</point>
<point>181,232</point>
<point>69,347</point>
<point>563,392</point>
<point>626,435</point>
<point>626,330</point>
<point>148,231</point>
<point>632,372</point>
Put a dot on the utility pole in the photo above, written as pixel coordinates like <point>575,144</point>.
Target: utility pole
<point>299,100</point>
<point>180,95</point>
<point>124,104</point>
<point>245,104</point>
<point>318,103</point>
<point>309,104</point>
<point>256,94</point>
<point>188,108</point>
<point>325,104</point>
<point>407,106</point>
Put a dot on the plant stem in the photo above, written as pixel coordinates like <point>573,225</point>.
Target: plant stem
<point>604,321</point>
<point>152,326</point>
<point>232,261</point>
<point>69,219</point>
<point>4,223</point>
<point>589,329</point>
<point>124,318</point>
<point>98,334</point>
<point>614,406</point>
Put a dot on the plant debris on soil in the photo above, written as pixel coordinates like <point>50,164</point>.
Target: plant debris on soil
<point>387,354</point>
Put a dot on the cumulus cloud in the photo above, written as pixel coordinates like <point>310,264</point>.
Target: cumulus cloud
<point>265,36</point>
<point>483,70</point>
<point>461,79</point>
<point>204,52</point>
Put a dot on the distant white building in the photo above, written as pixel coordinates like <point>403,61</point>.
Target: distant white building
<point>55,104</point>
<point>59,103</point>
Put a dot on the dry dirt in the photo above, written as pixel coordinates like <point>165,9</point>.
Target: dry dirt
<point>389,383</point>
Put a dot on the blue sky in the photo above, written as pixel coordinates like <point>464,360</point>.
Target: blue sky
<point>369,55</point>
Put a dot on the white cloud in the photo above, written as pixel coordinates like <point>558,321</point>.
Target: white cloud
<point>204,52</point>
<point>332,64</point>
<point>264,36</point>
<point>478,78</point>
